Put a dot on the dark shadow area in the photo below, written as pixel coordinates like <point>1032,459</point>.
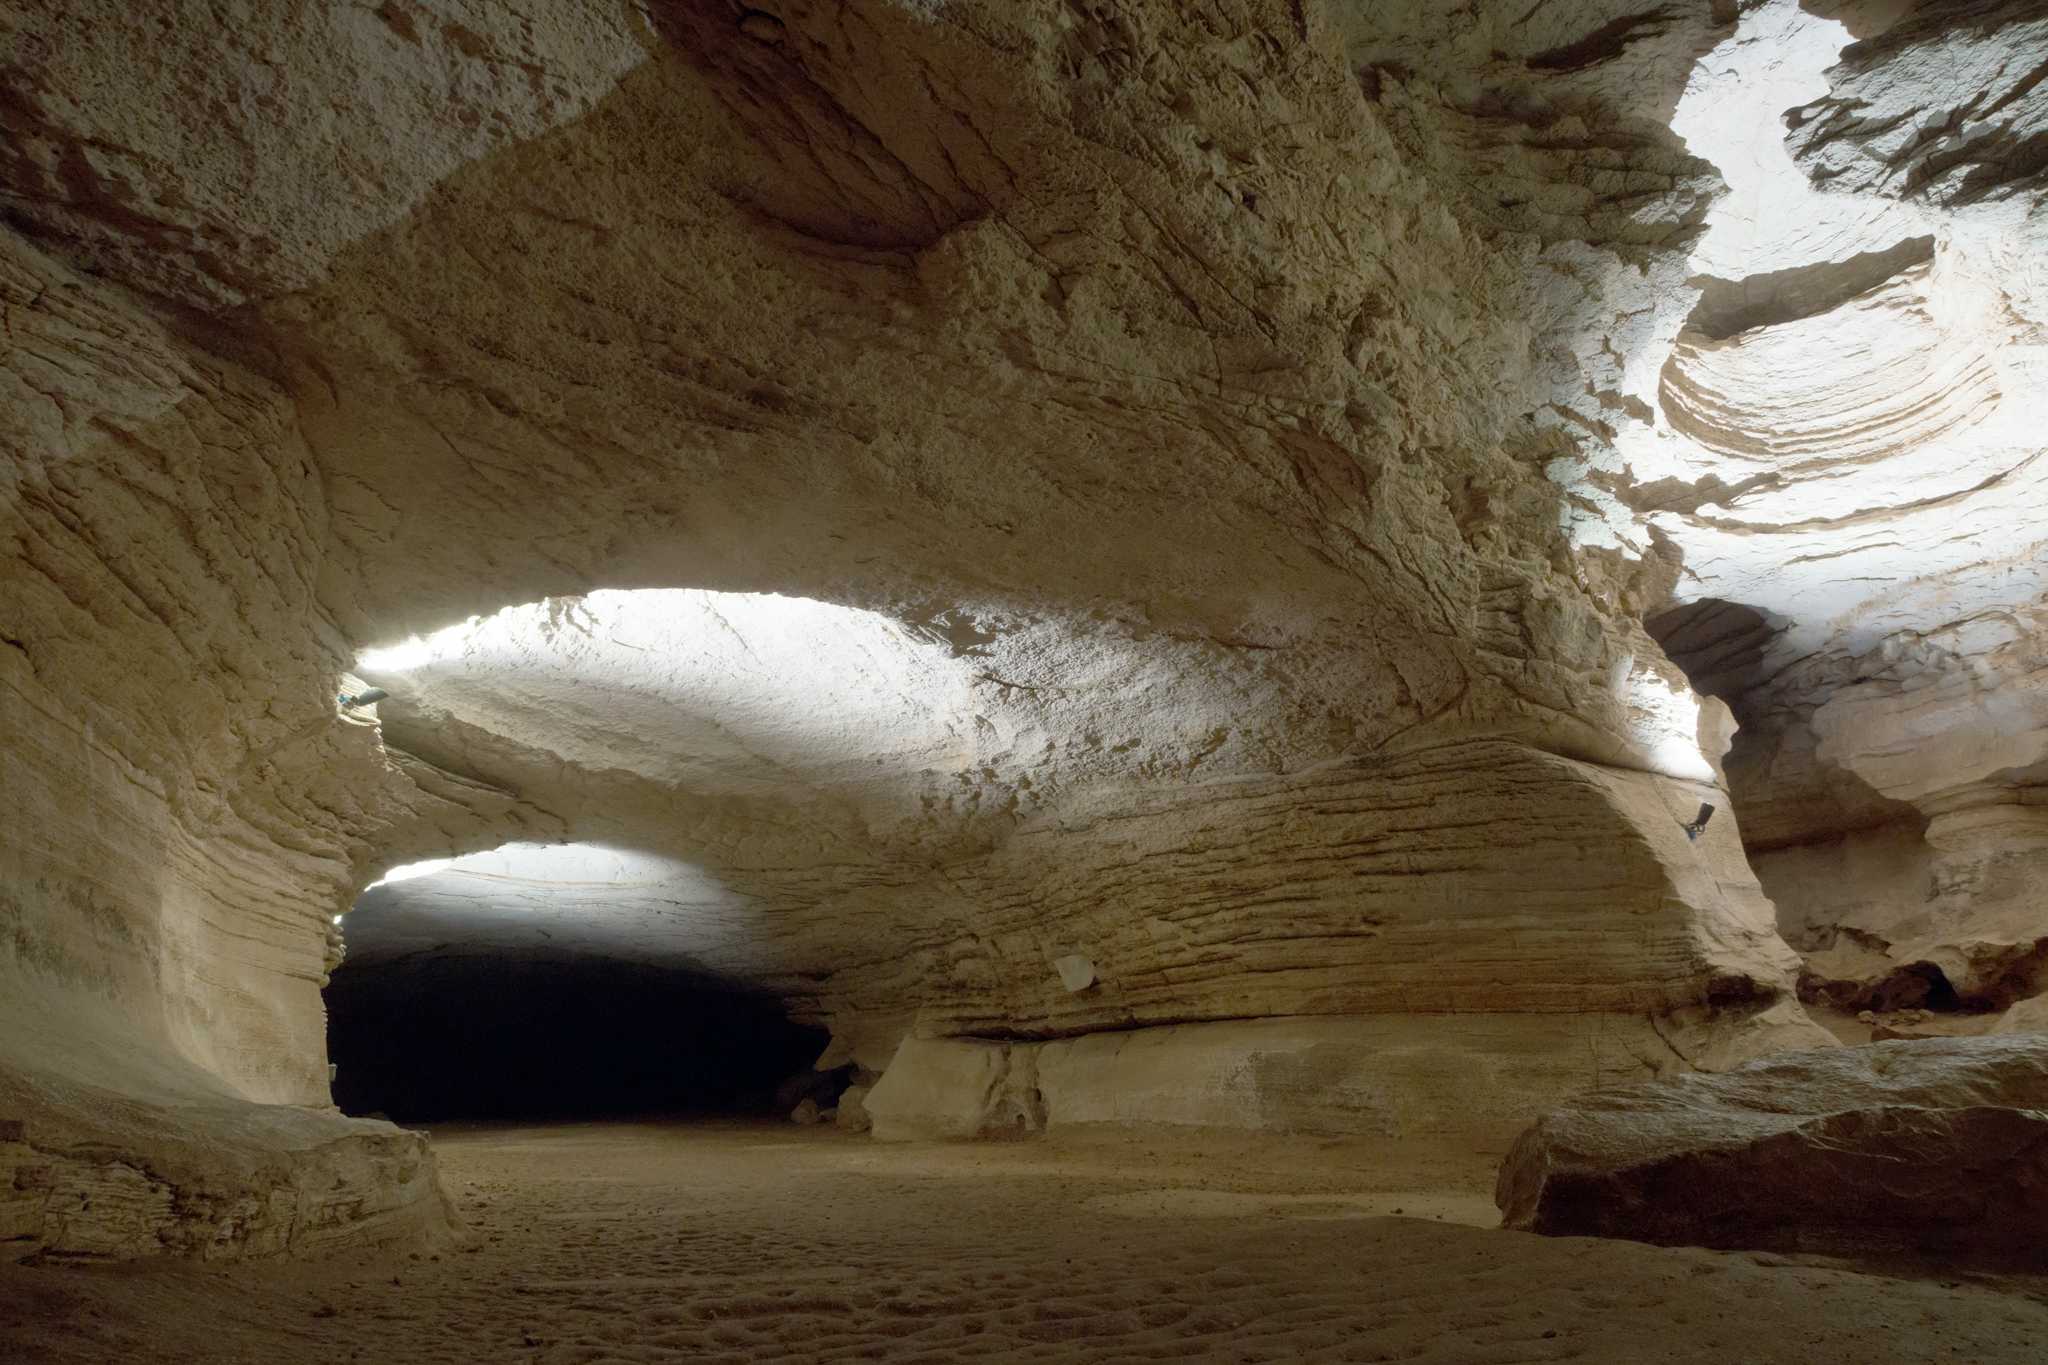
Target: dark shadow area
<point>539,1035</point>
<point>1719,645</point>
<point>1783,792</point>
<point>1727,307</point>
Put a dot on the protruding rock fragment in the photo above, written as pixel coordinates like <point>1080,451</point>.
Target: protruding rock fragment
<point>1077,973</point>
<point>761,27</point>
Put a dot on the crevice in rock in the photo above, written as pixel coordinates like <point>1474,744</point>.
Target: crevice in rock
<point>2003,977</point>
<point>1780,296</point>
<point>1916,985</point>
<point>1720,646</point>
<point>2022,977</point>
<point>1603,44</point>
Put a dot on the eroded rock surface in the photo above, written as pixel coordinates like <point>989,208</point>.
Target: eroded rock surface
<point>806,771</point>
<point>110,1149</point>
<point>1843,444</point>
<point>1932,1145</point>
<point>1222,453</point>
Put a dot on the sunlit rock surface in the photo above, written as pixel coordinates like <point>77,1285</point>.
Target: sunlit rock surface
<point>1195,479</point>
<point>1842,442</point>
<point>1926,1146</point>
<point>820,780</point>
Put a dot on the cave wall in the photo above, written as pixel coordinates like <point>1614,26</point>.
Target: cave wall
<point>1158,368</point>
<point>183,811</point>
<point>143,487</point>
<point>810,794</point>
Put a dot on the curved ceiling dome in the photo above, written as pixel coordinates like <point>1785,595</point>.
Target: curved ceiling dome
<point>715,689</point>
<point>569,897</point>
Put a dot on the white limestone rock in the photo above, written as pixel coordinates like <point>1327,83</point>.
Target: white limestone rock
<point>1152,422</point>
<point>852,1112</point>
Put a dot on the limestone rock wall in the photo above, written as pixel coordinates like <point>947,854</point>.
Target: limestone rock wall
<point>213,1183</point>
<point>189,806</point>
<point>1161,377</point>
<point>1459,1083</point>
<point>809,791</point>
<point>185,811</point>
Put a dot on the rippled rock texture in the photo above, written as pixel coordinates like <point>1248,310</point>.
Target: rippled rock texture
<point>1203,455</point>
<point>1927,1146</point>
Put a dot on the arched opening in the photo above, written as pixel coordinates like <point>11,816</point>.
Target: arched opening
<point>548,981</point>
<point>675,777</point>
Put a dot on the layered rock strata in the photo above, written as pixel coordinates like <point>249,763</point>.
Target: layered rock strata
<point>114,1148</point>
<point>1557,888</point>
<point>1842,443</point>
<point>215,1184</point>
<point>1159,376</point>
<point>1456,1083</point>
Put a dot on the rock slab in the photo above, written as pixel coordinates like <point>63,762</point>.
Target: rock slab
<point>1468,1082</point>
<point>1934,1145</point>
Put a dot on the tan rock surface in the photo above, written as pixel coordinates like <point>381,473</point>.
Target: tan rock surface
<point>1936,1145</point>
<point>2028,1016</point>
<point>1222,456</point>
<point>1464,1082</point>
<point>1843,444</point>
<point>1885,921</point>
<point>796,797</point>
<point>112,1150</point>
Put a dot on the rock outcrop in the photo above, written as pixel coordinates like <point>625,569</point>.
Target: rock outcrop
<point>112,1149</point>
<point>1937,1145</point>
<point>1460,1083</point>
<point>186,808</point>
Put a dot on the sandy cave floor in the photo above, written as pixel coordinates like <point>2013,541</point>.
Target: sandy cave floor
<point>651,1241</point>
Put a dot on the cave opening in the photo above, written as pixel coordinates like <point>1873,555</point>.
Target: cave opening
<point>621,958</point>
<point>530,984</point>
<point>1914,986</point>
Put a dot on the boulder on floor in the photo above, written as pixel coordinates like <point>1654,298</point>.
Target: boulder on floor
<point>852,1114</point>
<point>1939,1144</point>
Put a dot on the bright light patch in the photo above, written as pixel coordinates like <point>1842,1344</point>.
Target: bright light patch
<point>1664,721</point>
<point>405,872</point>
<point>562,865</point>
<point>418,651</point>
<point>712,689</point>
<point>555,898</point>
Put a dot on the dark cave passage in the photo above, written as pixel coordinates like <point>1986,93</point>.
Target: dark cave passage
<point>541,1034</point>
